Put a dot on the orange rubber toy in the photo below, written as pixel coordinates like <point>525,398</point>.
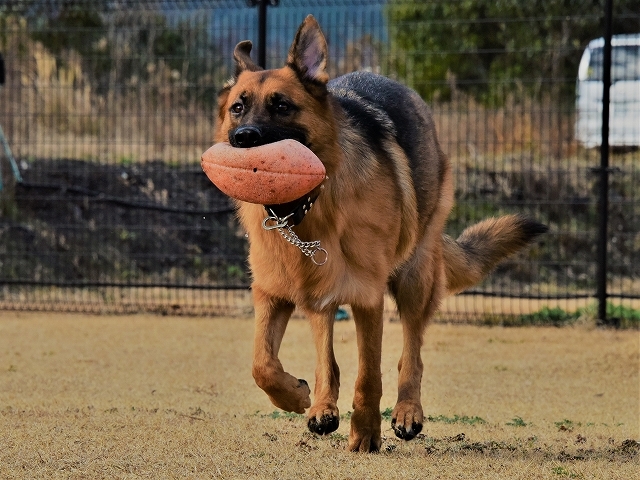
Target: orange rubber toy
<point>275,173</point>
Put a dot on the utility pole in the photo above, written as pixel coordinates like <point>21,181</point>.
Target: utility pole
<point>262,27</point>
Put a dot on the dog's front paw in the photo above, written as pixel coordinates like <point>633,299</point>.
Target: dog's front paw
<point>406,420</point>
<point>323,419</point>
<point>365,435</point>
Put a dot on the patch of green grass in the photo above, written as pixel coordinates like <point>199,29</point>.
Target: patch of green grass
<point>565,472</point>
<point>626,317</point>
<point>549,316</point>
<point>126,160</point>
<point>517,422</point>
<point>338,437</point>
<point>234,272</point>
<point>622,316</point>
<point>386,414</point>
<point>567,425</point>
<point>456,419</point>
<point>277,414</point>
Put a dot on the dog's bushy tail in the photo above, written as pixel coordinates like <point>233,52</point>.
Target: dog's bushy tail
<point>479,248</point>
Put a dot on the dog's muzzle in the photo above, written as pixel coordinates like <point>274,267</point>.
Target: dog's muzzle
<point>247,136</point>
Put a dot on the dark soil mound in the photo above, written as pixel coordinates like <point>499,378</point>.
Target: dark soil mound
<point>75,221</point>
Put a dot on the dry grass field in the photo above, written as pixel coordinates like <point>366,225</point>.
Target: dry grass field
<point>143,396</point>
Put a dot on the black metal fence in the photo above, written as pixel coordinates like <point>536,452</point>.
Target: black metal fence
<point>108,104</point>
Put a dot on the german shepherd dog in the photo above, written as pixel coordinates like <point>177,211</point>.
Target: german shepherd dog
<point>375,225</point>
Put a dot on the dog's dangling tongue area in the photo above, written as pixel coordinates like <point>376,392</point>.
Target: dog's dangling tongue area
<point>272,174</point>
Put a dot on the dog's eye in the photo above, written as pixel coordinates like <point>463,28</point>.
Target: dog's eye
<point>283,107</point>
<point>237,107</point>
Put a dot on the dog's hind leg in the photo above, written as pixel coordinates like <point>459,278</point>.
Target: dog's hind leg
<point>365,435</point>
<point>284,390</point>
<point>323,416</point>
<point>418,289</point>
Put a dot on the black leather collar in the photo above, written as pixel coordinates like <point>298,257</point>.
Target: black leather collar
<point>294,212</point>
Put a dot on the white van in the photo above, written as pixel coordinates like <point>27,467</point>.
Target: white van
<point>624,105</point>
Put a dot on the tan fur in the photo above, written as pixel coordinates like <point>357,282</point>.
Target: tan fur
<point>379,235</point>
<point>493,240</point>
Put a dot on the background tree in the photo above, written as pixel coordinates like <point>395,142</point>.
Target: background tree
<point>123,45</point>
<point>487,47</point>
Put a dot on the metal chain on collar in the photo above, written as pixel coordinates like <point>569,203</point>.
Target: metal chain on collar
<point>313,250</point>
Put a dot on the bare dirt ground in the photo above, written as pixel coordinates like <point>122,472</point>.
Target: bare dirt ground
<point>172,397</point>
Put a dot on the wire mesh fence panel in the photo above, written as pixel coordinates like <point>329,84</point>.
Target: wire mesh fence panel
<point>107,107</point>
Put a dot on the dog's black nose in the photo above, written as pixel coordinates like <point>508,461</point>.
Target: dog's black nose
<point>245,137</point>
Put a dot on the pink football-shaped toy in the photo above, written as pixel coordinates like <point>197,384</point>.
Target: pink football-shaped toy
<point>270,174</point>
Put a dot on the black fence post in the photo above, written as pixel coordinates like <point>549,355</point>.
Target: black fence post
<point>603,205</point>
<point>262,27</point>
<point>2,74</point>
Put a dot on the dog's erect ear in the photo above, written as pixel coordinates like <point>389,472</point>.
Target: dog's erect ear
<point>308,55</point>
<point>242,57</point>
<point>241,54</point>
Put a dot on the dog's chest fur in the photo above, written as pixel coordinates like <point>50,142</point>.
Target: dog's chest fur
<point>281,269</point>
